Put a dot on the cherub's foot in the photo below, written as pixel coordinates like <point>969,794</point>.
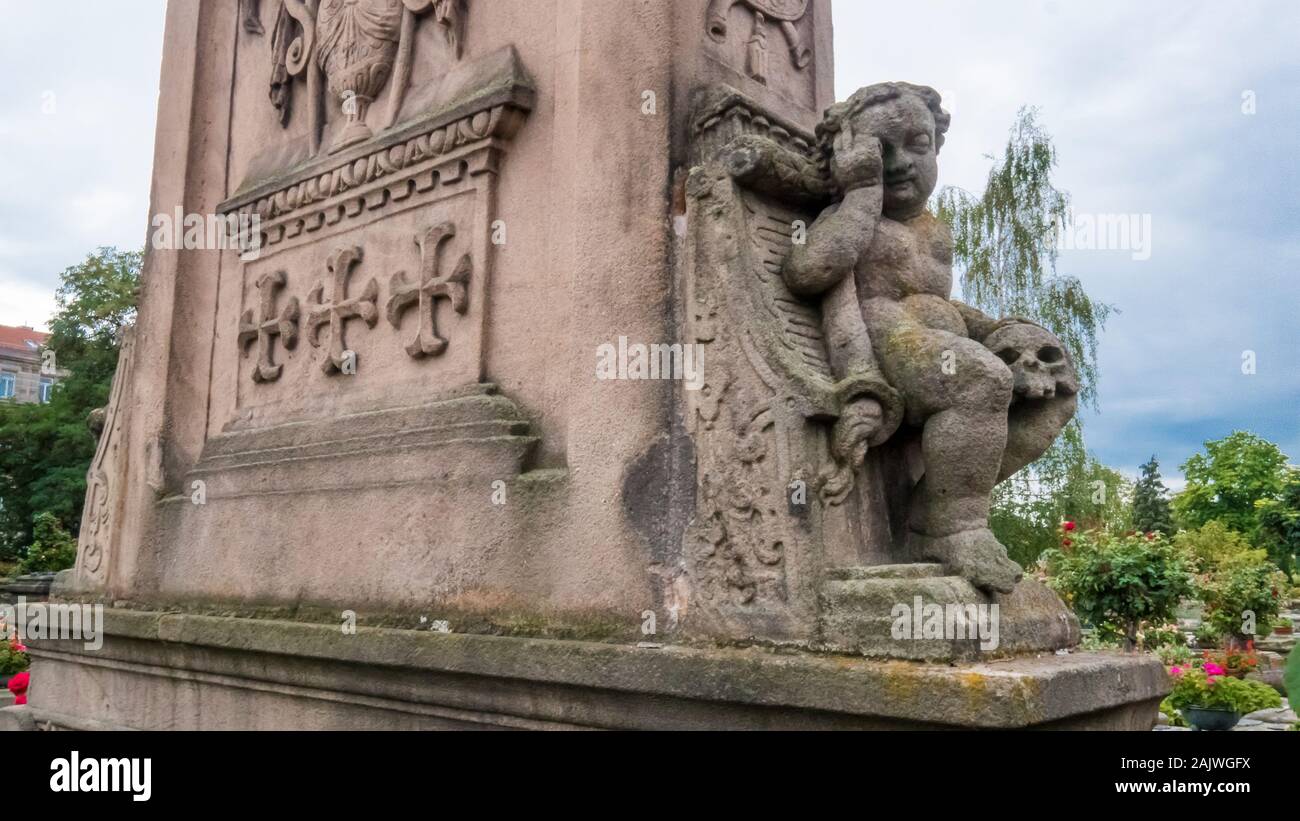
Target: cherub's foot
<point>975,555</point>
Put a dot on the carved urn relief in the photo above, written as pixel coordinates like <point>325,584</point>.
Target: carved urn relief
<point>357,48</point>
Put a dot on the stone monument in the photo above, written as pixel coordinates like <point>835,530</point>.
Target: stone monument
<point>368,468</point>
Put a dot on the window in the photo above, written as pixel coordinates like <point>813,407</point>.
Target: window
<point>47,387</point>
<point>8,381</point>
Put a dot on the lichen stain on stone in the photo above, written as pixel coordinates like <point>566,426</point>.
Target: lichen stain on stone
<point>900,681</point>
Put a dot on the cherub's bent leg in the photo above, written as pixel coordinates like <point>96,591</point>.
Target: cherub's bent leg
<point>964,441</point>
<point>965,391</point>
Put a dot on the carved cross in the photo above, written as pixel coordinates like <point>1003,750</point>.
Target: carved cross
<point>340,309</point>
<point>431,287</point>
<point>265,330</point>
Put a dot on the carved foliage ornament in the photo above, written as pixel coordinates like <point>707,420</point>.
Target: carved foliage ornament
<point>107,469</point>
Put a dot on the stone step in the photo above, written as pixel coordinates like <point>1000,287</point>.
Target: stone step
<point>886,571</point>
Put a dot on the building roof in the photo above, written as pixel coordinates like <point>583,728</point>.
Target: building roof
<point>21,339</point>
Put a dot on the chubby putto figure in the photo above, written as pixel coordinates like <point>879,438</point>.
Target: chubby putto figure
<point>986,396</point>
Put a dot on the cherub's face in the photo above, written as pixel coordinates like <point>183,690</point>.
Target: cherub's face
<point>905,128</point>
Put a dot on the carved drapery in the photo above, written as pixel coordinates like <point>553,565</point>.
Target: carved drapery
<point>357,49</point>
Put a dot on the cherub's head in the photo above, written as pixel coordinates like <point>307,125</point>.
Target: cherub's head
<point>910,123</point>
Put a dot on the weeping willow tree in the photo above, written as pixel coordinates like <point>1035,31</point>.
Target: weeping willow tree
<point>1005,250</point>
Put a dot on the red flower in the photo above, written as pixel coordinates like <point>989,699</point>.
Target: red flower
<point>1066,543</point>
<point>18,686</point>
<point>1069,526</point>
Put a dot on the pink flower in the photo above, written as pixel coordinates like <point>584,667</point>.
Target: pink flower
<point>1176,671</point>
<point>1212,669</point>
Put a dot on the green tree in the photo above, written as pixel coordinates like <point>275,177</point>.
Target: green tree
<point>1243,596</point>
<point>1005,250</point>
<point>1228,480</point>
<point>46,449</point>
<point>1211,545</point>
<point>1120,581</point>
<point>1005,247</point>
<point>1279,523</point>
<point>1028,510</point>
<point>52,548</point>
<point>1151,511</point>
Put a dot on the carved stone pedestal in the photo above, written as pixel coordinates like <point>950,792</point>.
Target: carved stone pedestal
<point>192,672</point>
<point>917,612</point>
<point>394,405</point>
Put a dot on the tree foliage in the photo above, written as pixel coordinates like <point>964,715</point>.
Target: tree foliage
<point>1210,546</point>
<point>1151,510</point>
<point>1279,523</point>
<point>46,449</point>
<point>1066,485</point>
<point>1228,480</point>
<point>1005,246</point>
<point>1120,581</point>
<point>1005,250</point>
<point>1243,595</point>
<point>52,548</point>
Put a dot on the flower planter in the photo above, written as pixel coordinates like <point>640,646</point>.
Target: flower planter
<point>1211,720</point>
<point>1286,630</point>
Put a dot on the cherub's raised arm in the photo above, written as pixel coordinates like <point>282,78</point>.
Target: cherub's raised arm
<point>844,230</point>
<point>835,242</point>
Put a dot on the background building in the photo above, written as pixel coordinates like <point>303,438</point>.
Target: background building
<point>21,376</point>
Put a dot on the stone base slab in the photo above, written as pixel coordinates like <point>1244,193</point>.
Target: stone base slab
<point>189,672</point>
<point>860,611</point>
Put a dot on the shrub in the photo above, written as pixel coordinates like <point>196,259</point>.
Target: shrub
<point>1174,655</point>
<point>1207,635</point>
<point>1153,637</point>
<point>13,658</point>
<point>1235,663</point>
<point>1208,688</point>
<point>1245,589</point>
<point>53,548</point>
<point>1120,580</point>
<point>1175,718</point>
<point>1210,545</point>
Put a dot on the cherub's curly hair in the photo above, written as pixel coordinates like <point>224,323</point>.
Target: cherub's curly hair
<point>874,95</point>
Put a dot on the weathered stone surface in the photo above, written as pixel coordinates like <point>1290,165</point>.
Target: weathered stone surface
<point>14,718</point>
<point>859,615</point>
<point>1281,715</point>
<point>983,397</point>
<point>200,672</point>
<point>388,404</point>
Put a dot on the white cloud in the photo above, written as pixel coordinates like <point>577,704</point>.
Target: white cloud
<point>25,303</point>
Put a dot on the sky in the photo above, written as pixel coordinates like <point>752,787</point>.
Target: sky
<point>1145,103</point>
<point>1183,113</point>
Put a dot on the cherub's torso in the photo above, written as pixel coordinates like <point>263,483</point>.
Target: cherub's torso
<point>909,264</point>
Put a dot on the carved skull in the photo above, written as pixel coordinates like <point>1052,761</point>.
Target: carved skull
<point>1039,363</point>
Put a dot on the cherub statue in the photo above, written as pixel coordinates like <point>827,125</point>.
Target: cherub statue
<point>986,396</point>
